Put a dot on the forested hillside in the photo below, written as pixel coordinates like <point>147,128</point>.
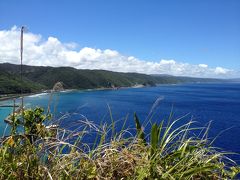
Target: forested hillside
<point>37,78</point>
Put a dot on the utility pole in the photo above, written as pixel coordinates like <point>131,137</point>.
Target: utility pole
<point>21,53</point>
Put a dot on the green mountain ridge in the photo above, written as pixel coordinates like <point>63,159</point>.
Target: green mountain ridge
<point>38,78</point>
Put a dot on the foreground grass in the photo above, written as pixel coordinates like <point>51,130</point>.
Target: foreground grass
<point>168,152</point>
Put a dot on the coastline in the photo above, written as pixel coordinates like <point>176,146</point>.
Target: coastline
<point>5,97</point>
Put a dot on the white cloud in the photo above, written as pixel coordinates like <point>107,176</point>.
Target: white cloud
<point>52,52</point>
<point>203,65</point>
<point>220,70</point>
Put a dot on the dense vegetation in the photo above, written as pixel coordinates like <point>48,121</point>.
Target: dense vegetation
<point>11,83</point>
<point>169,152</point>
<point>36,78</point>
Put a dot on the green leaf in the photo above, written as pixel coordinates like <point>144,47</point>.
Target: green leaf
<point>154,138</point>
<point>140,133</point>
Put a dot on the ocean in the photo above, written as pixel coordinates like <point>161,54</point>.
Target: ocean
<point>201,102</point>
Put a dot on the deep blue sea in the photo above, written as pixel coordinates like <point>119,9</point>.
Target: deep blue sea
<point>203,102</point>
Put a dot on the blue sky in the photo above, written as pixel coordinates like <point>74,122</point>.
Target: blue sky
<point>186,31</point>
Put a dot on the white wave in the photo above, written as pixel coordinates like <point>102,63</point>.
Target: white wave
<point>38,95</point>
